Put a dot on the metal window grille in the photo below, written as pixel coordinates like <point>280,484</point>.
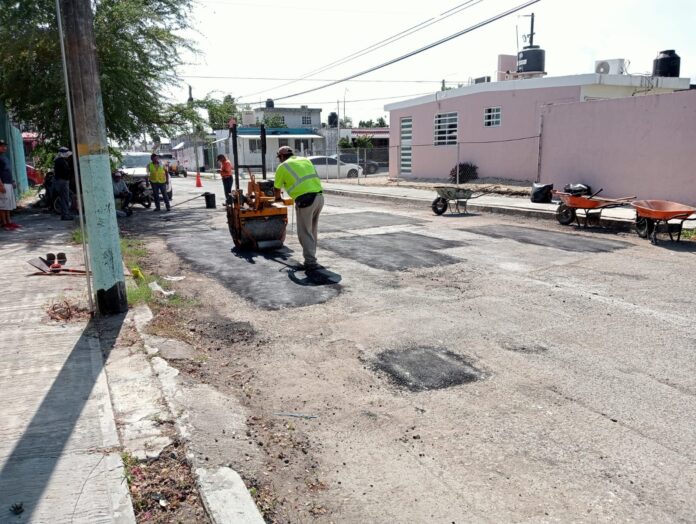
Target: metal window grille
<point>491,117</point>
<point>306,120</point>
<point>445,129</point>
<point>406,134</point>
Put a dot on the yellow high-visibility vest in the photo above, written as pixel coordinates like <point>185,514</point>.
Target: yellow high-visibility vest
<point>157,173</point>
<point>298,177</point>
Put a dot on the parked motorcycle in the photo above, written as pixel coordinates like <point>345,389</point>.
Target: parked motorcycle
<point>141,193</point>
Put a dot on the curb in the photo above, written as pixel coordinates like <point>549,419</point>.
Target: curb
<point>223,492</point>
<point>614,224</point>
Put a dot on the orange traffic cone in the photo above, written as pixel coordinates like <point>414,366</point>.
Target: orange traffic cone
<point>198,180</point>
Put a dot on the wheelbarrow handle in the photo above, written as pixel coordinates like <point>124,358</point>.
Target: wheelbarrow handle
<point>595,194</point>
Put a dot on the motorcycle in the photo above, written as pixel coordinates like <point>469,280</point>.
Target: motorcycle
<point>141,192</point>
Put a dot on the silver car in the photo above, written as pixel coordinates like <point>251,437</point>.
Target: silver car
<point>135,167</point>
<point>328,167</point>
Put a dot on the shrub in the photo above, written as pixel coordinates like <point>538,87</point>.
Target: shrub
<point>468,171</point>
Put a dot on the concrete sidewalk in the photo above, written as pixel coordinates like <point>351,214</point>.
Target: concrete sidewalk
<point>59,449</point>
<point>619,216</point>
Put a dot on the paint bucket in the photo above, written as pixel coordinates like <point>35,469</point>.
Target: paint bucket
<point>209,200</point>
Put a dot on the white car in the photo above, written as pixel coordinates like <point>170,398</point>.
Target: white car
<point>326,168</point>
<point>135,167</point>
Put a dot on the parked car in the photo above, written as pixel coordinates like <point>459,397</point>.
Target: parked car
<point>369,166</point>
<point>326,167</point>
<point>135,167</point>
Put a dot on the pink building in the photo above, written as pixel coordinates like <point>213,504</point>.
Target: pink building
<point>498,126</point>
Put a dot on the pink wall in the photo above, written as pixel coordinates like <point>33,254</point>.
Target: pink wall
<point>508,151</point>
<point>644,146</point>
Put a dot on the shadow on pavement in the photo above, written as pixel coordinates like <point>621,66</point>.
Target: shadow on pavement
<point>28,469</point>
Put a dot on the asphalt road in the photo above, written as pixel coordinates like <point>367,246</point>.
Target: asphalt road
<point>457,369</point>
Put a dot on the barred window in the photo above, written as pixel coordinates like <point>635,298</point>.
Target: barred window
<point>491,117</point>
<point>406,153</point>
<point>445,129</point>
<point>306,120</point>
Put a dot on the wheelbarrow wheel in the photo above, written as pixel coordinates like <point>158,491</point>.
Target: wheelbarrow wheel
<point>439,205</point>
<point>565,215</point>
<point>643,227</point>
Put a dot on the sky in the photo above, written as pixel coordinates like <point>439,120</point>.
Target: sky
<point>250,48</point>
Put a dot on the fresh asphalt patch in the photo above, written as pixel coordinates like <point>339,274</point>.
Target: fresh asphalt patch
<point>267,279</point>
<point>393,251</point>
<point>425,368</point>
<point>554,239</point>
<point>330,223</point>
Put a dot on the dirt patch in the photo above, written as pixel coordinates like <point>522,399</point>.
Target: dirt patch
<point>164,490</point>
<point>499,186</point>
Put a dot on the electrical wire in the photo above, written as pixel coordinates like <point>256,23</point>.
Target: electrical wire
<point>378,45</point>
<point>352,101</point>
<point>417,51</point>
<point>316,79</point>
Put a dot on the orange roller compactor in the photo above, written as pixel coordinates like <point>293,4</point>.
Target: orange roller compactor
<point>256,219</point>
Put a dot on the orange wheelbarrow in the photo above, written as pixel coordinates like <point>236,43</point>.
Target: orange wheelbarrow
<point>650,213</point>
<point>592,206</point>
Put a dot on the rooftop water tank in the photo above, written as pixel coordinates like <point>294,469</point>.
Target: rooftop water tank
<point>269,102</point>
<point>531,59</point>
<point>667,63</point>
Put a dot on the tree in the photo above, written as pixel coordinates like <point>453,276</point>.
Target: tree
<point>220,112</point>
<point>345,143</point>
<point>138,46</point>
<point>366,123</point>
<point>346,121</point>
<point>363,142</point>
<point>273,121</point>
<point>381,122</point>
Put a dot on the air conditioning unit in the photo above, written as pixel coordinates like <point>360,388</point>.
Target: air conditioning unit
<point>615,66</point>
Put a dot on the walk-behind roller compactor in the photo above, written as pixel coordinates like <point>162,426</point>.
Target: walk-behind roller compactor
<point>256,220</point>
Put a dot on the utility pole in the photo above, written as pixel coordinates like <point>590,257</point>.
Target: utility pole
<point>93,156</point>
<point>195,133</point>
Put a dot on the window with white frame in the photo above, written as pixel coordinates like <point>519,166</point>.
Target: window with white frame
<point>406,135</point>
<point>306,120</point>
<point>254,145</point>
<point>491,117</point>
<point>445,129</point>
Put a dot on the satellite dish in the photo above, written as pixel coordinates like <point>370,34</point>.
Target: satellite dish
<point>602,68</point>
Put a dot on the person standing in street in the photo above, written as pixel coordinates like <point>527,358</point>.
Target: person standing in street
<point>299,178</point>
<point>7,197</point>
<point>158,176</point>
<point>64,173</point>
<point>225,174</point>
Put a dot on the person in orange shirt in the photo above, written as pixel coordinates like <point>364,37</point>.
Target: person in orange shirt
<point>226,174</point>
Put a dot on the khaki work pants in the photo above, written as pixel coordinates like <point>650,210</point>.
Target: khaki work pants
<point>307,225</point>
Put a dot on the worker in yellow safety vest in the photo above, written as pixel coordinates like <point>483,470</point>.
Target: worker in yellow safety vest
<point>158,176</point>
<point>299,178</point>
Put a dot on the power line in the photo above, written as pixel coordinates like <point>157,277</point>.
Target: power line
<point>417,51</point>
<point>378,45</point>
<point>351,101</point>
<point>214,77</point>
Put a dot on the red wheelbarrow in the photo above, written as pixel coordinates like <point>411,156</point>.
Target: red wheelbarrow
<point>590,204</point>
<point>649,214</point>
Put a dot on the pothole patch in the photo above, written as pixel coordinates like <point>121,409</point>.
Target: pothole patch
<point>426,368</point>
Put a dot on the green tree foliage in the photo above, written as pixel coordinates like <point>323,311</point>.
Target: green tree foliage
<point>346,122</point>
<point>380,122</point>
<point>138,45</point>
<point>345,143</point>
<point>220,111</point>
<point>273,121</point>
<point>363,142</point>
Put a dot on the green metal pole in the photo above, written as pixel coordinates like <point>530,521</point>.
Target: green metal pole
<point>93,155</point>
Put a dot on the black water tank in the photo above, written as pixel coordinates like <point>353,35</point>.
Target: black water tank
<point>333,119</point>
<point>667,64</point>
<point>269,102</point>
<point>531,58</point>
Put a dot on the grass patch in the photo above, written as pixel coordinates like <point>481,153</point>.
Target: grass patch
<point>76,237</point>
<point>688,234</point>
